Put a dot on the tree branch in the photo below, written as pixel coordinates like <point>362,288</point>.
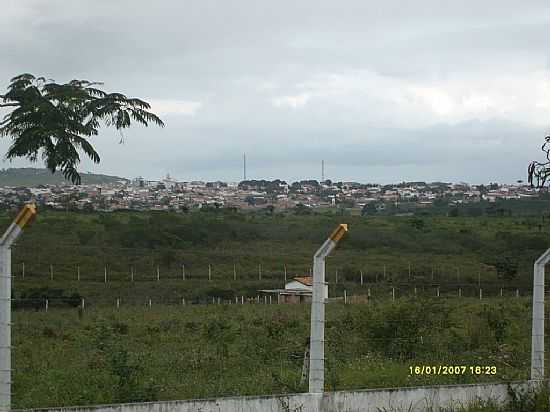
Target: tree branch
<point>9,104</point>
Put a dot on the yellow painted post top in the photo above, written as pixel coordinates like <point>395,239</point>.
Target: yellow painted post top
<point>26,215</point>
<point>339,232</point>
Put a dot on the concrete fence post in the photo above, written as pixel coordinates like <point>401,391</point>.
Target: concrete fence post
<point>25,216</point>
<point>209,273</point>
<point>158,273</point>
<point>105,274</point>
<point>361,272</point>
<point>182,272</point>
<point>234,271</point>
<point>537,329</point>
<point>46,304</point>
<point>132,273</point>
<point>317,333</point>
<point>285,272</point>
<point>78,273</point>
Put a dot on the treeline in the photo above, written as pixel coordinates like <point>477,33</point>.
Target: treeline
<point>504,242</point>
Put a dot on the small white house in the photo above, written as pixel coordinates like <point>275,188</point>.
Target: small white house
<point>303,283</point>
<point>297,290</point>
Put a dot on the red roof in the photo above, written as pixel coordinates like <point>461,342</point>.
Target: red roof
<point>304,280</point>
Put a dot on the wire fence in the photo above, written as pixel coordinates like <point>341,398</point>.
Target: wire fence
<point>262,261</point>
<point>228,268</point>
<point>136,324</point>
<point>176,350</point>
<point>50,298</point>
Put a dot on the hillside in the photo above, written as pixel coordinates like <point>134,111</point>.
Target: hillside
<point>28,176</point>
<point>228,254</point>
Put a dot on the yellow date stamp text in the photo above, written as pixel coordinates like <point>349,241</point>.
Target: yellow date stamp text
<point>452,370</point>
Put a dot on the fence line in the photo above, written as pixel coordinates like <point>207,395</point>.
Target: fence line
<point>47,302</point>
<point>110,274</point>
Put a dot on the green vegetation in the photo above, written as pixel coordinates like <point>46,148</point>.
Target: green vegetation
<point>70,356</point>
<point>444,252</point>
<point>173,351</point>
<point>29,177</point>
<point>56,121</point>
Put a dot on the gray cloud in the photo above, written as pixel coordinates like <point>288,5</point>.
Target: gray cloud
<point>381,90</point>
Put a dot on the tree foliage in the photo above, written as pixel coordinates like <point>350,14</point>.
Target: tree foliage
<point>55,121</point>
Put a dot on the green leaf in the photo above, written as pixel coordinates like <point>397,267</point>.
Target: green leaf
<point>54,120</point>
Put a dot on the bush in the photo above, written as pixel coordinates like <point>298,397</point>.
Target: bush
<point>35,298</point>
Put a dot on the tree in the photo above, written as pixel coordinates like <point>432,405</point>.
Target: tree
<point>453,212</point>
<point>301,209</point>
<point>55,120</point>
<point>368,209</point>
<point>507,267</point>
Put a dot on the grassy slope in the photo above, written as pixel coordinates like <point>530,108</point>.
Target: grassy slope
<point>33,177</point>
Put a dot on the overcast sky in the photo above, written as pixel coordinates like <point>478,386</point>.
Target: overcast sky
<point>383,91</point>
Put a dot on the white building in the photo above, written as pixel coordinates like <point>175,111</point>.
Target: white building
<point>297,290</point>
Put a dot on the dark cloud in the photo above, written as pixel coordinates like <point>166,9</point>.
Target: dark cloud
<point>381,90</point>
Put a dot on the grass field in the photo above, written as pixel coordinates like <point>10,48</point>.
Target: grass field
<point>70,356</point>
<point>402,252</point>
